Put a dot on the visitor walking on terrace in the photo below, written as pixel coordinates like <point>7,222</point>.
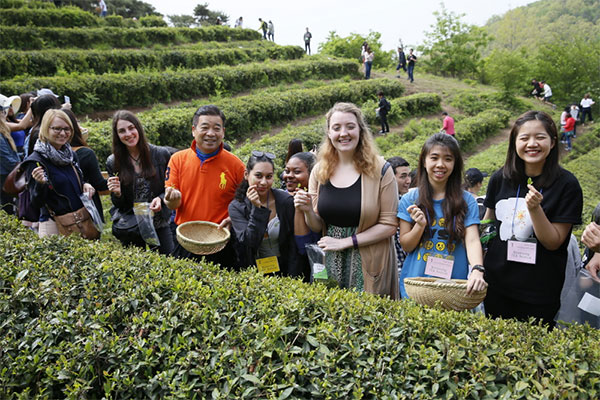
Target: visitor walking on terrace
<point>307,37</point>
<point>586,108</point>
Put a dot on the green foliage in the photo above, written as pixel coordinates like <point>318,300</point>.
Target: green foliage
<point>404,107</point>
<point>453,48</point>
<point>91,320</point>
<point>205,17</point>
<point>152,21</point>
<point>113,91</point>
<point>490,159</point>
<point>182,21</point>
<point>25,3</point>
<point>472,102</point>
<point>31,38</point>
<point>245,114</point>
<point>125,8</point>
<point>49,62</point>
<point>350,46</point>
<point>506,69</point>
<point>584,143</point>
<point>64,17</point>
<point>585,168</point>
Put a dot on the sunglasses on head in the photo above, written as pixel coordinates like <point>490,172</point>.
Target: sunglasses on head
<point>259,154</point>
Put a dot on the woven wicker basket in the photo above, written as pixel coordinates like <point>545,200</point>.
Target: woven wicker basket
<point>202,237</point>
<point>450,295</point>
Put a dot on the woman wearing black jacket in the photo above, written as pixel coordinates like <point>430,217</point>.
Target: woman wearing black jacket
<point>137,174</point>
<point>262,219</point>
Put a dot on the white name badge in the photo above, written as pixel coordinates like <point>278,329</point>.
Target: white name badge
<point>523,252</point>
<point>439,267</point>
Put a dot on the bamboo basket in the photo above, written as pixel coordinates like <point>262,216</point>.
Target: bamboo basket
<point>202,237</point>
<point>449,294</point>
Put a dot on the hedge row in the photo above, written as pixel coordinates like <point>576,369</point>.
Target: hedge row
<point>244,114</point>
<point>25,3</point>
<point>64,17</point>
<point>110,91</point>
<point>31,38</point>
<point>473,102</point>
<point>582,144</point>
<point>92,320</point>
<point>49,62</point>
<point>470,131</point>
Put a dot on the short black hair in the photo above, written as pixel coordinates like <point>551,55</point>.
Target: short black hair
<point>396,162</point>
<point>380,93</point>
<point>444,113</point>
<point>208,110</point>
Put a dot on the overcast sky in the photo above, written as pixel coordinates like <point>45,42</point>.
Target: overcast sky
<point>399,19</point>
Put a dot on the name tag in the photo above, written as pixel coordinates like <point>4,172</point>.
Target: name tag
<point>439,267</point>
<point>523,252</point>
<point>267,265</point>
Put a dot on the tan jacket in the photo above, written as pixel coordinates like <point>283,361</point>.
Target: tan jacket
<point>379,204</point>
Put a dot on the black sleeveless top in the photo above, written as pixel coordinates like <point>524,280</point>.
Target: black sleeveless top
<point>340,206</point>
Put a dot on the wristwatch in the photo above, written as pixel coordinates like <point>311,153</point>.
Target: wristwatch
<point>478,267</point>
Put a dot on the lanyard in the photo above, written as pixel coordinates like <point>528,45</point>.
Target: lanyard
<point>512,223</point>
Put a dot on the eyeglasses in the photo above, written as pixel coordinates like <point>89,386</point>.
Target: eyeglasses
<point>259,154</point>
<point>58,129</point>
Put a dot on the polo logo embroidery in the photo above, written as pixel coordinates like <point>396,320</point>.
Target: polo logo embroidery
<point>223,183</point>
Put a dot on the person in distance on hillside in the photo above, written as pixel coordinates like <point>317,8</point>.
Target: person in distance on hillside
<point>401,61</point>
<point>307,37</point>
<point>263,27</point>
<point>586,108</point>
<point>201,181</point>
<point>537,89</point>
<point>547,93</point>
<point>382,112</point>
<point>239,23</point>
<point>412,59</point>
<point>271,31</point>
<point>448,124</point>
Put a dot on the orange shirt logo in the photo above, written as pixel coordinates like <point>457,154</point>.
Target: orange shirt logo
<point>223,183</point>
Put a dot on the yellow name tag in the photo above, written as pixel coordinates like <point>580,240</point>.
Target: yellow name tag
<point>267,265</point>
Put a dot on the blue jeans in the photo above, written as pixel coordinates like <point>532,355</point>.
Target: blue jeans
<point>568,136</point>
<point>411,68</point>
<point>368,65</point>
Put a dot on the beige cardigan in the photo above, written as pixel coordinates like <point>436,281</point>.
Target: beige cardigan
<point>379,204</point>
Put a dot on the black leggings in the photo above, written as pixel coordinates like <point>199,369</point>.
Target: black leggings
<point>497,305</point>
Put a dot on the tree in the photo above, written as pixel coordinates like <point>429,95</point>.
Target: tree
<point>350,46</point>
<point>182,21</point>
<point>204,16</point>
<point>453,48</point>
<point>508,69</point>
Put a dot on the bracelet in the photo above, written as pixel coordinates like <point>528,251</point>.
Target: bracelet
<point>354,242</point>
<point>478,267</point>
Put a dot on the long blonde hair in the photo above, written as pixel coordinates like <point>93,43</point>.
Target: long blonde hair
<point>365,155</point>
<point>5,130</point>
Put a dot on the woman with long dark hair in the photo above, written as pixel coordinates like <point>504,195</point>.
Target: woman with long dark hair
<point>535,203</point>
<point>439,220</point>
<point>88,162</point>
<point>137,174</point>
<point>38,108</point>
<point>262,219</point>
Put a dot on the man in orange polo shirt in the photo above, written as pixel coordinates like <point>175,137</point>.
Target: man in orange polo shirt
<point>201,181</point>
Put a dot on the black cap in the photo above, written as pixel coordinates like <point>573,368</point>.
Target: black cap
<point>474,176</point>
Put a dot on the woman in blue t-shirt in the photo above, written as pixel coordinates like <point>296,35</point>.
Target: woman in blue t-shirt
<point>439,221</point>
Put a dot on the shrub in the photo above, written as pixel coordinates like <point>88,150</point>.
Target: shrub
<point>472,102</point>
<point>244,114</point>
<point>31,38</point>
<point>404,107</point>
<point>64,17</point>
<point>48,62</point>
<point>584,143</point>
<point>152,21</point>
<point>111,91</point>
<point>585,168</point>
<point>92,320</point>
<point>25,3</point>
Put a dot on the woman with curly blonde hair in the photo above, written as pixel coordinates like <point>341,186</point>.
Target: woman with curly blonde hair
<point>353,200</point>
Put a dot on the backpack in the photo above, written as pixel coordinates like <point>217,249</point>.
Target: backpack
<point>388,105</point>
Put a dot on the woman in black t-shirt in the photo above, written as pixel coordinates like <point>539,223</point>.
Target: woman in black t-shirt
<point>536,203</point>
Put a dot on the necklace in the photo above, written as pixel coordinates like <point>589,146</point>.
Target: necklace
<point>135,160</point>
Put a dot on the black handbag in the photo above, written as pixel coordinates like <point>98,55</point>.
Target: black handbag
<point>125,227</point>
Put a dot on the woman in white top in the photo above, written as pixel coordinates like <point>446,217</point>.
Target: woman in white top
<point>586,107</point>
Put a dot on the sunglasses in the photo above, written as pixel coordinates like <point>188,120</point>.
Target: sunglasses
<point>259,154</point>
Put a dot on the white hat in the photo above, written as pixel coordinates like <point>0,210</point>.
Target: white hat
<point>13,101</point>
<point>44,91</point>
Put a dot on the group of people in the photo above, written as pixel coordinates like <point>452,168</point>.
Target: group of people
<point>573,114</point>
<point>267,28</point>
<point>349,201</point>
<point>406,63</point>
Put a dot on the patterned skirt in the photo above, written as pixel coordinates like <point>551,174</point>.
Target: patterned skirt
<point>345,265</point>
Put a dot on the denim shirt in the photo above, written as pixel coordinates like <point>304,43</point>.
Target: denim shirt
<point>8,157</point>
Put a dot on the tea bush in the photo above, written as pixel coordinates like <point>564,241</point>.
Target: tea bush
<point>583,144</point>
<point>25,3</point>
<point>92,320</point>
<point>152,20</point>
<point>244,114</point>
<point>585,168</point>
<point>49,62</point>
<point>32,38</point>
<point>473,102</point>
<point>91,92</point>
<point>64,17</point>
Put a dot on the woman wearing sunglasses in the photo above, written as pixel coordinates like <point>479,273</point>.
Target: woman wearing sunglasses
<point>262,219</point>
